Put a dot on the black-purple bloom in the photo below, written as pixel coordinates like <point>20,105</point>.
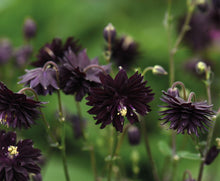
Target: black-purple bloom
<point>5,51</point>
<point>17,159</point>
<point>78,73</point>
<point>55,50</point>
<point>17,110</point>
<point>118,98</point>
<point>185,115</point>
<point>124,51</point>
<point>42,80</point>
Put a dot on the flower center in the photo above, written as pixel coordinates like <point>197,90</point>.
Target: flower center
<point>122,111</point>
<point>12,151</point>
<point>3,119</point>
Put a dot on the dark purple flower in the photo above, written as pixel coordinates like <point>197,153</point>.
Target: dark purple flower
<point>42,80</point>
<point>134,135</point>
<point>75,75</point>
<point>29,28</point>
<point>55,50</point>
<point>124,51</point>
<point>23,54</point>
<point>118,98</point>
<point>185,115</point>
<point>17,159</point>
<point>216,3</point>
<point>5,51</point>
<point>17,110</point>
<point>211,155</point>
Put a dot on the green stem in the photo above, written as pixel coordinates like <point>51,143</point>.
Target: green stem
<point>146,70</point>
<point>210,134</point>
<point>112,156</point>
<point>63,137</point>
<point>152,163</point>
<point>92,153</point>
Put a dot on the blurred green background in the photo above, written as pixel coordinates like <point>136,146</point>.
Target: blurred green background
<point>85,20</point>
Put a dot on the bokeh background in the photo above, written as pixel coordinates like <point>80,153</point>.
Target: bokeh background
<point>143,20</point>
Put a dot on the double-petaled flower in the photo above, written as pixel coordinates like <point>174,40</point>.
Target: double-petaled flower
<point>16,109</point>
<point>119,98</point>
<point>17,159</point>
<point>185,115</point>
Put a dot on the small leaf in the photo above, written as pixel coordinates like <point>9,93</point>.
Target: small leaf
<point>164,148</point>
<point>188,155</point>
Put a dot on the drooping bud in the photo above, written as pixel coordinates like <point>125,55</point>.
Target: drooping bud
<point>29,28</point>
<point>211,155</point>
<point>201,67</point>
<point>159,70</point>
<point>109,33</point>
<point>173,92</point>
<point>134,135</point>
<point>23,54</point>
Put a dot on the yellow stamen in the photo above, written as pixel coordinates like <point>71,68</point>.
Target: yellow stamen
<point>123,111</point>
<point>13,151</point>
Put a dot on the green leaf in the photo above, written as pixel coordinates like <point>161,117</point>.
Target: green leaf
<point>188,155</point>
<point>164,148</point>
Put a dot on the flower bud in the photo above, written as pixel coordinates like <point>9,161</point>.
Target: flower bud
<point>201,67</point>
<point>158,70</point>
<point>211,155</point>
<point>173,92</point>
<point>134,135</point>
<point>29,28</point>
<point>23,54</point>
<point>218,142</point>
<point>5,51</point>
<point>109,33</point>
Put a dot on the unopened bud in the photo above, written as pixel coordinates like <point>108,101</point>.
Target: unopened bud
<point>109,33</point>
<point>201,67</point>
<point>218,142</point>
<point>5,50</point>
<point>211,155</point>
<point>134,135</point>
<point>29,28</point>
<point>173,92</point>
<point>158,70</point>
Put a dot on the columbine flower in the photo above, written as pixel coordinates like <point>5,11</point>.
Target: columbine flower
<point>75,75</point>
<point>16,110</point>
<point>124,51</point>
<point>118,98</point>
<point>17,160</point>
<point>134,135</point>
<point>42,80</point>
<point>185,115</point>
<point>55,50</point>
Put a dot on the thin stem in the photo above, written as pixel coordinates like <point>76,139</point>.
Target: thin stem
<point>182,86</point>
<point>210,134</point>
<point>47,126</point>
<point>94,66</point>
<point>146,70</point>
<point>187,172</point>
<point>92,153</point>
<point>153,166</point>
<point>112,156</point>
<point>63,137</point>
